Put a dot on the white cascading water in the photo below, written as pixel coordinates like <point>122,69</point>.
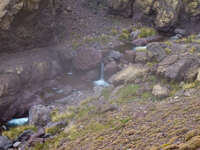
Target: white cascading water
<point>101,82</point>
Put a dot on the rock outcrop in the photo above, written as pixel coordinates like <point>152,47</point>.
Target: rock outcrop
<point>9,9</point>
<point>165,13</point>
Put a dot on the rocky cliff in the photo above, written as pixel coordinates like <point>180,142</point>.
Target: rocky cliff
<point>166,14</point>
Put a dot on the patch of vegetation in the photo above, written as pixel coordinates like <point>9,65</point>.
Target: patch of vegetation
<point>127,93</point>
<point>192,49</point>
<point>125,35</point>
<point>168,51</point>
<point>14,132</point>
<point>190,85</point>
<point>146,32</point>
<point>106,92</point>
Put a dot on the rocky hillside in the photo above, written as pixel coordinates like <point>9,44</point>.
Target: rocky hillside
<point>148,52</point>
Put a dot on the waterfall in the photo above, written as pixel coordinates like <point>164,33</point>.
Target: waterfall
<point>101,81</point>
<point>102,71</point>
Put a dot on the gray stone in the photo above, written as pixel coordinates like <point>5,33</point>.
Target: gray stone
<point>156,51</point>
<point>39,115</point>
<point>5,143</point>
<point>114,55</point>
<point>16,144</point>
<point>160,91</point>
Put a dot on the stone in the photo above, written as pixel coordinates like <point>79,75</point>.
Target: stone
<point>87,59</point>
<point>39,115</point>
<point>5,143</point>
<point>25,136</point>
<point>135,34</point>
<point>130,56</point>
<point>111,68</point>
<point>114,55</point>
<point>16,144</point>
<point>160,91</point>
<point>141,57</point>
<point>198,75</point>
<point>175,67</point>
<point>129,74</point>
<point>54,127</point>
<point>180,31</point>
<point>156,51</point>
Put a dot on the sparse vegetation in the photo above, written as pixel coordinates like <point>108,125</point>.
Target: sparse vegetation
<point>146,32</point>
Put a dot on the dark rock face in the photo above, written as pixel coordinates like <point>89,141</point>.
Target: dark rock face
<point>121,7</point>
<point>165,13</point>
<point>20,73</point>
<point>87,59</point>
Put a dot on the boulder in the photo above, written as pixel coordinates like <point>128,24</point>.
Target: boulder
<point>130,56</point>
<point>5,143</point>
<point>156,51</point>
<point>87,59</point>
<point>39,115</point>
<point>129,74</point>
<point>160,91</point>
<point>111,68</point>
<point>175,67</point>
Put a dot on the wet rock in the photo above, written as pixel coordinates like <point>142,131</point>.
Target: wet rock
<point>130,56</point>
<point>39,115</point>
<point>87,59</point>
<point>160,91</point>
<point>111,68</point>
<point>5,143</point>
<point>156,51</point>
<point>129,74</point>
<point>175,67</point>
<point>180,31</point>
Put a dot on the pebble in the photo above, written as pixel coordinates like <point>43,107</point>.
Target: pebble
<point>16,144</point>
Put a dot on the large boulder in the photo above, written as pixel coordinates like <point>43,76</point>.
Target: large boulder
<point>176,67</point>
<point>87,59</point>
<point>167,13</point>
